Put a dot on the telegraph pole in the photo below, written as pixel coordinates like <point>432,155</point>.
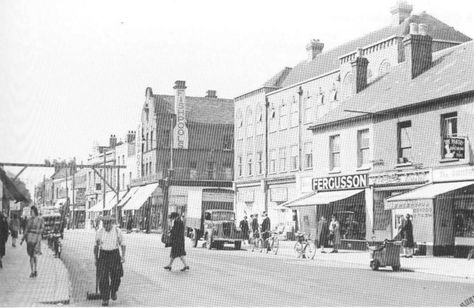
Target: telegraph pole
<point>73,195</point>
<point>103,187</point>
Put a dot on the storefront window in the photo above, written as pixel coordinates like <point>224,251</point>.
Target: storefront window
<point>464,223</point>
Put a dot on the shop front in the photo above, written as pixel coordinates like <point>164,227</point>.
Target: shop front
<point>342,196</point>
<point>443,215</point>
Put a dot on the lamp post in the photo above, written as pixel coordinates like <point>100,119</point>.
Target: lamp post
<point>166,182</point>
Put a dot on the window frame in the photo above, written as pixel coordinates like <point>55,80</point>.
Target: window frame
<point>333,153</point>
<point>282,159</point>
<point>361,148</point>
<point>308,157</point>
<point>400,149</point>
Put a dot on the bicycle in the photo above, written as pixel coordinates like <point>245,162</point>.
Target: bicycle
<point>255,241</point>
<point>272,243</point>
<point>304,246</point>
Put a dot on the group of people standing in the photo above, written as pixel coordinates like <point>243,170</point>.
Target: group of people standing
<point>257,230</point>
<point>12,227</point>
<point>329,234</point>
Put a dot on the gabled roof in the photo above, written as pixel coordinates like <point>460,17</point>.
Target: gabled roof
<point>451,74</point>
<point>200,109</point>
<point>329,61</point>
<point>277,80</point>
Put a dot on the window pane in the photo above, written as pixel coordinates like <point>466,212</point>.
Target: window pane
<point>405,133</point>
<point>336,160</point>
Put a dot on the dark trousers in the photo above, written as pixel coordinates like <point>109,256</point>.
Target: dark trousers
<point>109,267</point>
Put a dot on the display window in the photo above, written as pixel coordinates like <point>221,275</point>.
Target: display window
<point>464,223</point>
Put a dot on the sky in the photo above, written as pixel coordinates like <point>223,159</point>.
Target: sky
<point>74,72</point>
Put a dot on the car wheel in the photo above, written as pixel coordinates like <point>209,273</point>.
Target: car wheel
<point>396,268</point>
<point>237,245</point>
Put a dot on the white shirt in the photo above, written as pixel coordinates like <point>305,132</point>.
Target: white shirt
<point>109,240</point>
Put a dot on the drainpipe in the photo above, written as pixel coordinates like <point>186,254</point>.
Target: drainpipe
<point>300,124</point>
<point>265,185</point>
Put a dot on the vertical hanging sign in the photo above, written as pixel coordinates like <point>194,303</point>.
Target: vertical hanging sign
<point>180,132</point>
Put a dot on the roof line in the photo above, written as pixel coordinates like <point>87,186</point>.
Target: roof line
<point>304,81</point>
<point>386,111</point>
<point>371,45</point>
<point>254,92</point>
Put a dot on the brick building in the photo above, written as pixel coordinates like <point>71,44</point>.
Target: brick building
<point>192,136</point>
<point>317,87</point>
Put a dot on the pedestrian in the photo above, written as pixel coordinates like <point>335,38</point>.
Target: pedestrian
<point>323,233</point>
<point>335,233</point>
<point>14,229</point>
<point>23,221</point>
<point>109,252</point>
<point>129,223</point>
<point>265,230</point>
<point>244,226</point>
<point>177,241</point>
<point>33,231</point>
<point>407,237</point>
<point>3,236</point>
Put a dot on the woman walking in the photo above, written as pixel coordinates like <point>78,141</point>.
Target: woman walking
<point>177,241</point>
<point>33,231</point>
<point>14,229</point>
<point>335,233</point>
<point>407,232</point>
<point>3,236</point>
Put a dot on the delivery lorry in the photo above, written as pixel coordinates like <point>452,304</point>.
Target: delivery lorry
<point>210,216</point>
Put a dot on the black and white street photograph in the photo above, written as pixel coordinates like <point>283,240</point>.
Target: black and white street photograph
<point>209,153</point>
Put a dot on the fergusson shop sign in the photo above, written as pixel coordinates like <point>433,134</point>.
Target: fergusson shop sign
<point>353,181</point>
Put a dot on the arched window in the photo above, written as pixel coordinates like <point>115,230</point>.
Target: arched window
<point>249,119</point>
<point>384,67</point>
<point>239,123</point>
<point>346,90</point>
<point>283,115</point>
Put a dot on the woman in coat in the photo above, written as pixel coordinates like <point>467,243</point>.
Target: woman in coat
<point>335,233</point>
<point>177,241</point>
<point>407,234</point>
<point>3,236</point>
<point>323,233</point>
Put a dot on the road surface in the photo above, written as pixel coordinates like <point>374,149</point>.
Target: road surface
<point>242,278</point>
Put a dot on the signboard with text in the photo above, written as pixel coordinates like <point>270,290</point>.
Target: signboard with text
<point>342,182</point>
<point>180,133</point>
<point>454,147</point>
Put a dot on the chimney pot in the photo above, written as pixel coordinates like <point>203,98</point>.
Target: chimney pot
<point>423,29</point>
<point>401,11</point>
<point>211,94</point>
<point>179,84</point>
<point>413,28</point>
<point>418,52</point>
<point>314,48</point>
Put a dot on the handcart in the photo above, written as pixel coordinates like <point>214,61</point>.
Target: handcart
<point>386,254</point>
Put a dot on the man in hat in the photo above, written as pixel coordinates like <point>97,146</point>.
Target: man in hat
<point>244,226</point>
<point>109,252</point>
<point>266,228</point>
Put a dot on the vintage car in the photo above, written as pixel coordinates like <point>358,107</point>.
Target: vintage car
<point>220,228</point>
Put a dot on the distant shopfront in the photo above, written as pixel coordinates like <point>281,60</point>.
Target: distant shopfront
<point>343,196</point>
<point>443,211</point>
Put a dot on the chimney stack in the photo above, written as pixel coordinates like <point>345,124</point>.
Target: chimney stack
<point>131,136</point>
<point>211,94</point>
<point>314,48</point>
<point>400,11</point>
<point>418,49</point>
<point>359,72</point>
<point>112,141</point>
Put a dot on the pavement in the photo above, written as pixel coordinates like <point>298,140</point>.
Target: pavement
<point>441,266</point>
<point>51,286</point>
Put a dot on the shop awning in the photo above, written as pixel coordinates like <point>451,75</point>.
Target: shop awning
<point>429,191</point>
<point>11,187</point>
<point>325,197</point>
<point>109,203</point>
<point>137,200</point>
<point>127,196</point>
<point>111,199</point>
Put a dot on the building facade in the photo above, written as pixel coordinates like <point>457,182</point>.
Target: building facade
<point>312,92</point>
<point>192,137</point>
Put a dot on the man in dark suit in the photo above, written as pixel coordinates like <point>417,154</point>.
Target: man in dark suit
<point>265,230</point>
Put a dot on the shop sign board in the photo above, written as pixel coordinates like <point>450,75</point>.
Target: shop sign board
<point>454,147</point>
<point>453,174</point>
<point>80,196</point>
<point>343,182</point>
<point>279,194</point>
<point>402,177</point>
<point>421,207</point>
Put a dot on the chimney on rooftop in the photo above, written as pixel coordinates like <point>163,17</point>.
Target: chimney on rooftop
<point>112,141</point>
<point>359,72</point>
<point>418,49</point>
<point>211,94</point>
<point>314,48</point>
<point>131,136</point>
<point>400,11</point>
